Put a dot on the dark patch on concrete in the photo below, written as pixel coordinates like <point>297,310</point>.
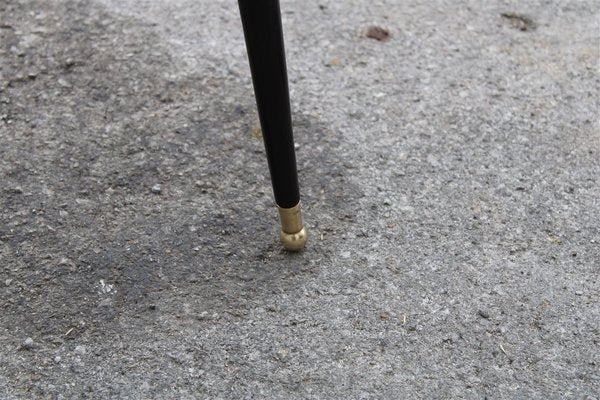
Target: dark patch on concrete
<point>85,243</point>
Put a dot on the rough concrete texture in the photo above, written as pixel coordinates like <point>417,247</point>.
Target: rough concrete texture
<point>450,175</point>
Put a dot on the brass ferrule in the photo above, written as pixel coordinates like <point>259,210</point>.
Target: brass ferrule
<point>293,234</point>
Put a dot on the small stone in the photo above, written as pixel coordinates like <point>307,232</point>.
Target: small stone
<point>156,189</point>
<point>57,359</point>
<point>483,314</point>
<point>377,33</point>
<point>579,293</point>
<point>203,316</point>
<point>80,350</point>
<point>27,344</point>
<point>8,282</point>
<point>64,261</point>
<point>387,202</point>
<point>451,338</point>
<point>281,354</point>
<point>62,82</point>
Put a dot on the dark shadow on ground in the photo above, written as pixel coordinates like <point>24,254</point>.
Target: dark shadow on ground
<point>87,236</point>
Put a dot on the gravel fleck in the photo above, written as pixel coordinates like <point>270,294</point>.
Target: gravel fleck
<point>27,344</point>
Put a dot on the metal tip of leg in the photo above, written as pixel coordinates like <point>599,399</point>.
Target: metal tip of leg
<point>293,234</point>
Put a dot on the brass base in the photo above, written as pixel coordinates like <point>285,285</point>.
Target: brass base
<point>293,234</point>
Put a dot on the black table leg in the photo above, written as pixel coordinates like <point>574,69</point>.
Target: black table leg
<point>264,42</point>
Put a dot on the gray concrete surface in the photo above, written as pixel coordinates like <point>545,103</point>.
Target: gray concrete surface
<point>450,177</point>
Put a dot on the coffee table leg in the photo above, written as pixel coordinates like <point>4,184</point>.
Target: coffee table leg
<point>261,20</point>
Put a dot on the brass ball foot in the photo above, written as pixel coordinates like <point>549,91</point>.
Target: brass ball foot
<point>293,234</point>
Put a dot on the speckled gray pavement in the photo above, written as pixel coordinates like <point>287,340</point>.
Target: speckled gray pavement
<point>450,178</point>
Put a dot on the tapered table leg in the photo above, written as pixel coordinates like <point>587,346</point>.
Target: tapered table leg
<point>261,20</point>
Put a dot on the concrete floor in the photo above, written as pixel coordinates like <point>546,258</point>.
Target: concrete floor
<point>450,179</point>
